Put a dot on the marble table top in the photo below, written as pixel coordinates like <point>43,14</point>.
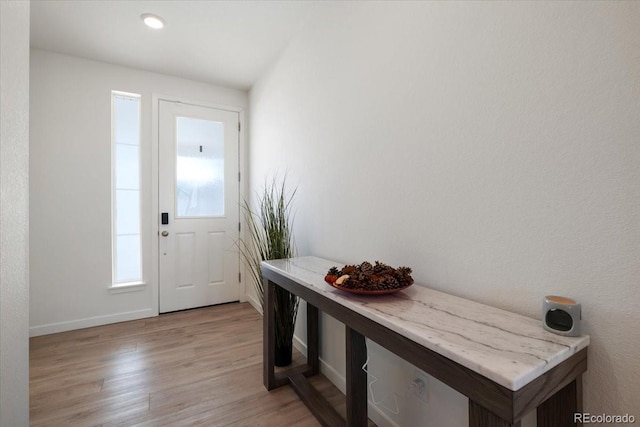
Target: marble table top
<point>508,348</point>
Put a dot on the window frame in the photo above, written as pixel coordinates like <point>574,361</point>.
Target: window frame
<point>137,283</point>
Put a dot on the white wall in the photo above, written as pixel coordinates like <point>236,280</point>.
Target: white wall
<point>14,213</point>
<point>71,187</point>
<point>493,147</point>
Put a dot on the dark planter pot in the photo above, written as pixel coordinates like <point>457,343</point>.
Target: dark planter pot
<point>283,353</point>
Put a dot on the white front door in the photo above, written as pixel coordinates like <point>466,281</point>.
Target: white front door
<point>198,206</point>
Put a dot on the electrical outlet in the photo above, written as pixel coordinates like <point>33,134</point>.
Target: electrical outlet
<point>419,386</point>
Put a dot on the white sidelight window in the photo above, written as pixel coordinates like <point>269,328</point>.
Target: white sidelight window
<point>125,199</point>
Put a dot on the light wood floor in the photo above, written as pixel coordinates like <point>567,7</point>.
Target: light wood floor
<point>197,367</point>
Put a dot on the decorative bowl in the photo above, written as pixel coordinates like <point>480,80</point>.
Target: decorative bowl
<point>367,292</point>
<point>369,279</point>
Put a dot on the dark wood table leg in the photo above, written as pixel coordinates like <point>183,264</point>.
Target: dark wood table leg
<point>268,336</point>
<point>479,416</point>
<point>559,409</point>
<point>356,379</point>
<point>313,340</point>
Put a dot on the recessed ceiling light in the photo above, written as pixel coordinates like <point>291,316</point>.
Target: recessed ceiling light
<point>152,21</point>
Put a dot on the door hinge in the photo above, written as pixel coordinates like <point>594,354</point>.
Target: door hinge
<point>238,126</point>
<point>239,277</point>
<point>239,224</point>
<point>238,176</point>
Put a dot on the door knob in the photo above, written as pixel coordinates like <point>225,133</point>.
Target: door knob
<point>165,233</point>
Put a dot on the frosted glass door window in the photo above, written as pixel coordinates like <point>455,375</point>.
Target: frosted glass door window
<point>127,167</point>
<point>128,258</point>
<point>128,215</point>
<point>127,265</point>
<point>199,168</point>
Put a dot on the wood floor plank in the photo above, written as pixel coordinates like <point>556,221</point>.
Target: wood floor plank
<point>196,367</point>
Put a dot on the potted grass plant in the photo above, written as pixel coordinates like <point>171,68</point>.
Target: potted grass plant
<point>269,236</point>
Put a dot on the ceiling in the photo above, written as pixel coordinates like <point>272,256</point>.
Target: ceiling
<point>227,43</point>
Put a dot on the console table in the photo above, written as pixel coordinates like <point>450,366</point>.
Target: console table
<point>505,363</point>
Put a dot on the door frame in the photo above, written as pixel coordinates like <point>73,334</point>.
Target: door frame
<point>155,187</point>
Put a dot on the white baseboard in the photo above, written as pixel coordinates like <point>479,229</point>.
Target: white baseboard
<point>53,328</point>
<point>254,302</point>
<point>375,413</point>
